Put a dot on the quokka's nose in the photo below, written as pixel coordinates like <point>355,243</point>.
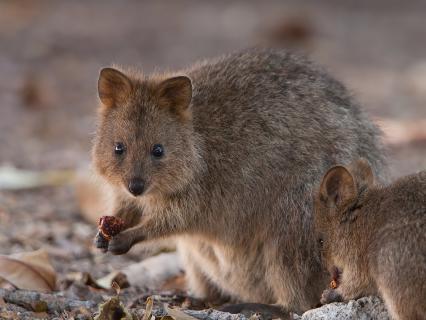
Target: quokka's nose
<point>136,186</point>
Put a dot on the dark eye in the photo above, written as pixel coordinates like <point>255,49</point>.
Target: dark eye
<point>321,242</point>
<point>157,150</point>
<point>119,148</point>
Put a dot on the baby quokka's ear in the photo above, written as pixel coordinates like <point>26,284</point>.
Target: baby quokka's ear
<point>337,187</point>
<point>114,87</point>
<point>176,94</point>
<point>363,173</point>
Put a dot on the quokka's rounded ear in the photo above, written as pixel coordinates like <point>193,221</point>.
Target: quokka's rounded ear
<point>114,87</point>
<point>176,94</point>
<point>363,173</point>
<point>337,186</point>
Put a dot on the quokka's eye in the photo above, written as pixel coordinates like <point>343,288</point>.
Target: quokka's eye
<point>119,148</point>
<point>157,150</point>
<point>321,242</point>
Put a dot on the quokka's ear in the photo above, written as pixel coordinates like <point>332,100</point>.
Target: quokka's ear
<point>114,87</point>
<point>176,94</point>
<point>337,187</point>
<point>363,173</point>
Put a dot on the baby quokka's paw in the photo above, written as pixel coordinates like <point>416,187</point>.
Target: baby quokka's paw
<point>331,295</point>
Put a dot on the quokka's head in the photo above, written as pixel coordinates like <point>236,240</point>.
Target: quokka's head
<point>342,197</point>
<point>145,141</point>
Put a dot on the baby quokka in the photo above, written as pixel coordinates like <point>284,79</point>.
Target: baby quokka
<point>375,236</point>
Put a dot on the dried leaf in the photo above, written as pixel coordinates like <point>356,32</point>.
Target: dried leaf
<point>83,278</point>
<point>12,178</point>
<point>31,271</point>
<point>106,282</point>
<point>40,315</point>
<point>116,287</point>
<point>115,276</point>
<point>38,306</point>
<point>113,309</point>
<point>9,315</point>
<point>148,309</point>
<point>178,314</point>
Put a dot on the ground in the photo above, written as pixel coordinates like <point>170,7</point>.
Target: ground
<point>51,53</point>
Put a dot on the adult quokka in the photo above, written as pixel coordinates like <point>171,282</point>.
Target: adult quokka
<point>225,156</point>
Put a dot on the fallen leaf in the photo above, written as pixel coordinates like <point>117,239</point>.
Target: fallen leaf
<point>39,306</point>
<point>8,315</point>
<point>178,314</point>
<point>40,315</point>
<point>84,278</point>
<point>148,309</point>
<point>30,270</point>
<point>102,283</point>
<point>294,31</point>
<point>12,178</point>
<point>113,309</point>
<point>31,93</point>
<point>115,276</point>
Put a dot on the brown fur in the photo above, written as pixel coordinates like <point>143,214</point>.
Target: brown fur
<point>376,236</point>
<point>243,152</point>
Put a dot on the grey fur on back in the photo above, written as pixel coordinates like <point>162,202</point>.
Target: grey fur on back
<point>270,123</point>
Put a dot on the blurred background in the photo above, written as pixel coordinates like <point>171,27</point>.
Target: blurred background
<point>51,53</point>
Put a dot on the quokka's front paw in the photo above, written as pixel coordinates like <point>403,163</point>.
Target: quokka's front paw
<point>331,295</point>
<point>120,244</point>
<point>101,242</point>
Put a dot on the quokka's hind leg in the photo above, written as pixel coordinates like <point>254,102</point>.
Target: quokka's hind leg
<point>201,287</point>
<point>198,284</point>
<point>401,281</point>
<point>403,306</point>
<point>404,295</point>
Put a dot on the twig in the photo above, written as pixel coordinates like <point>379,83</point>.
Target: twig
<point>40,302</point>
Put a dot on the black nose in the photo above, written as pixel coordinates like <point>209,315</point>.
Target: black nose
<point>136,186</point>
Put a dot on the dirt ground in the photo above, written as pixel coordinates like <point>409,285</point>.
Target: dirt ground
<point>51,53</point>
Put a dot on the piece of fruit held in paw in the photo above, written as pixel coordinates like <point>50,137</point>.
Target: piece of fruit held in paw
<point>110,226</point>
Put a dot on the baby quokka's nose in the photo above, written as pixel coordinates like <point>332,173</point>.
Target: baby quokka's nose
<point>136,186</point>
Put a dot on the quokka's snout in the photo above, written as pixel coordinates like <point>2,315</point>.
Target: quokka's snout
<point>136,186</point>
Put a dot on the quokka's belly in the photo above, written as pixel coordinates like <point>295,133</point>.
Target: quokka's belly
<point>235,274</point>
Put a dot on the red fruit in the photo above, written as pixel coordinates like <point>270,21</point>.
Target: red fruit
<point>110,226</point>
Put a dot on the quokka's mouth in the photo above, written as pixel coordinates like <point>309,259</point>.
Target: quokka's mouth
<point>336,274</point>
